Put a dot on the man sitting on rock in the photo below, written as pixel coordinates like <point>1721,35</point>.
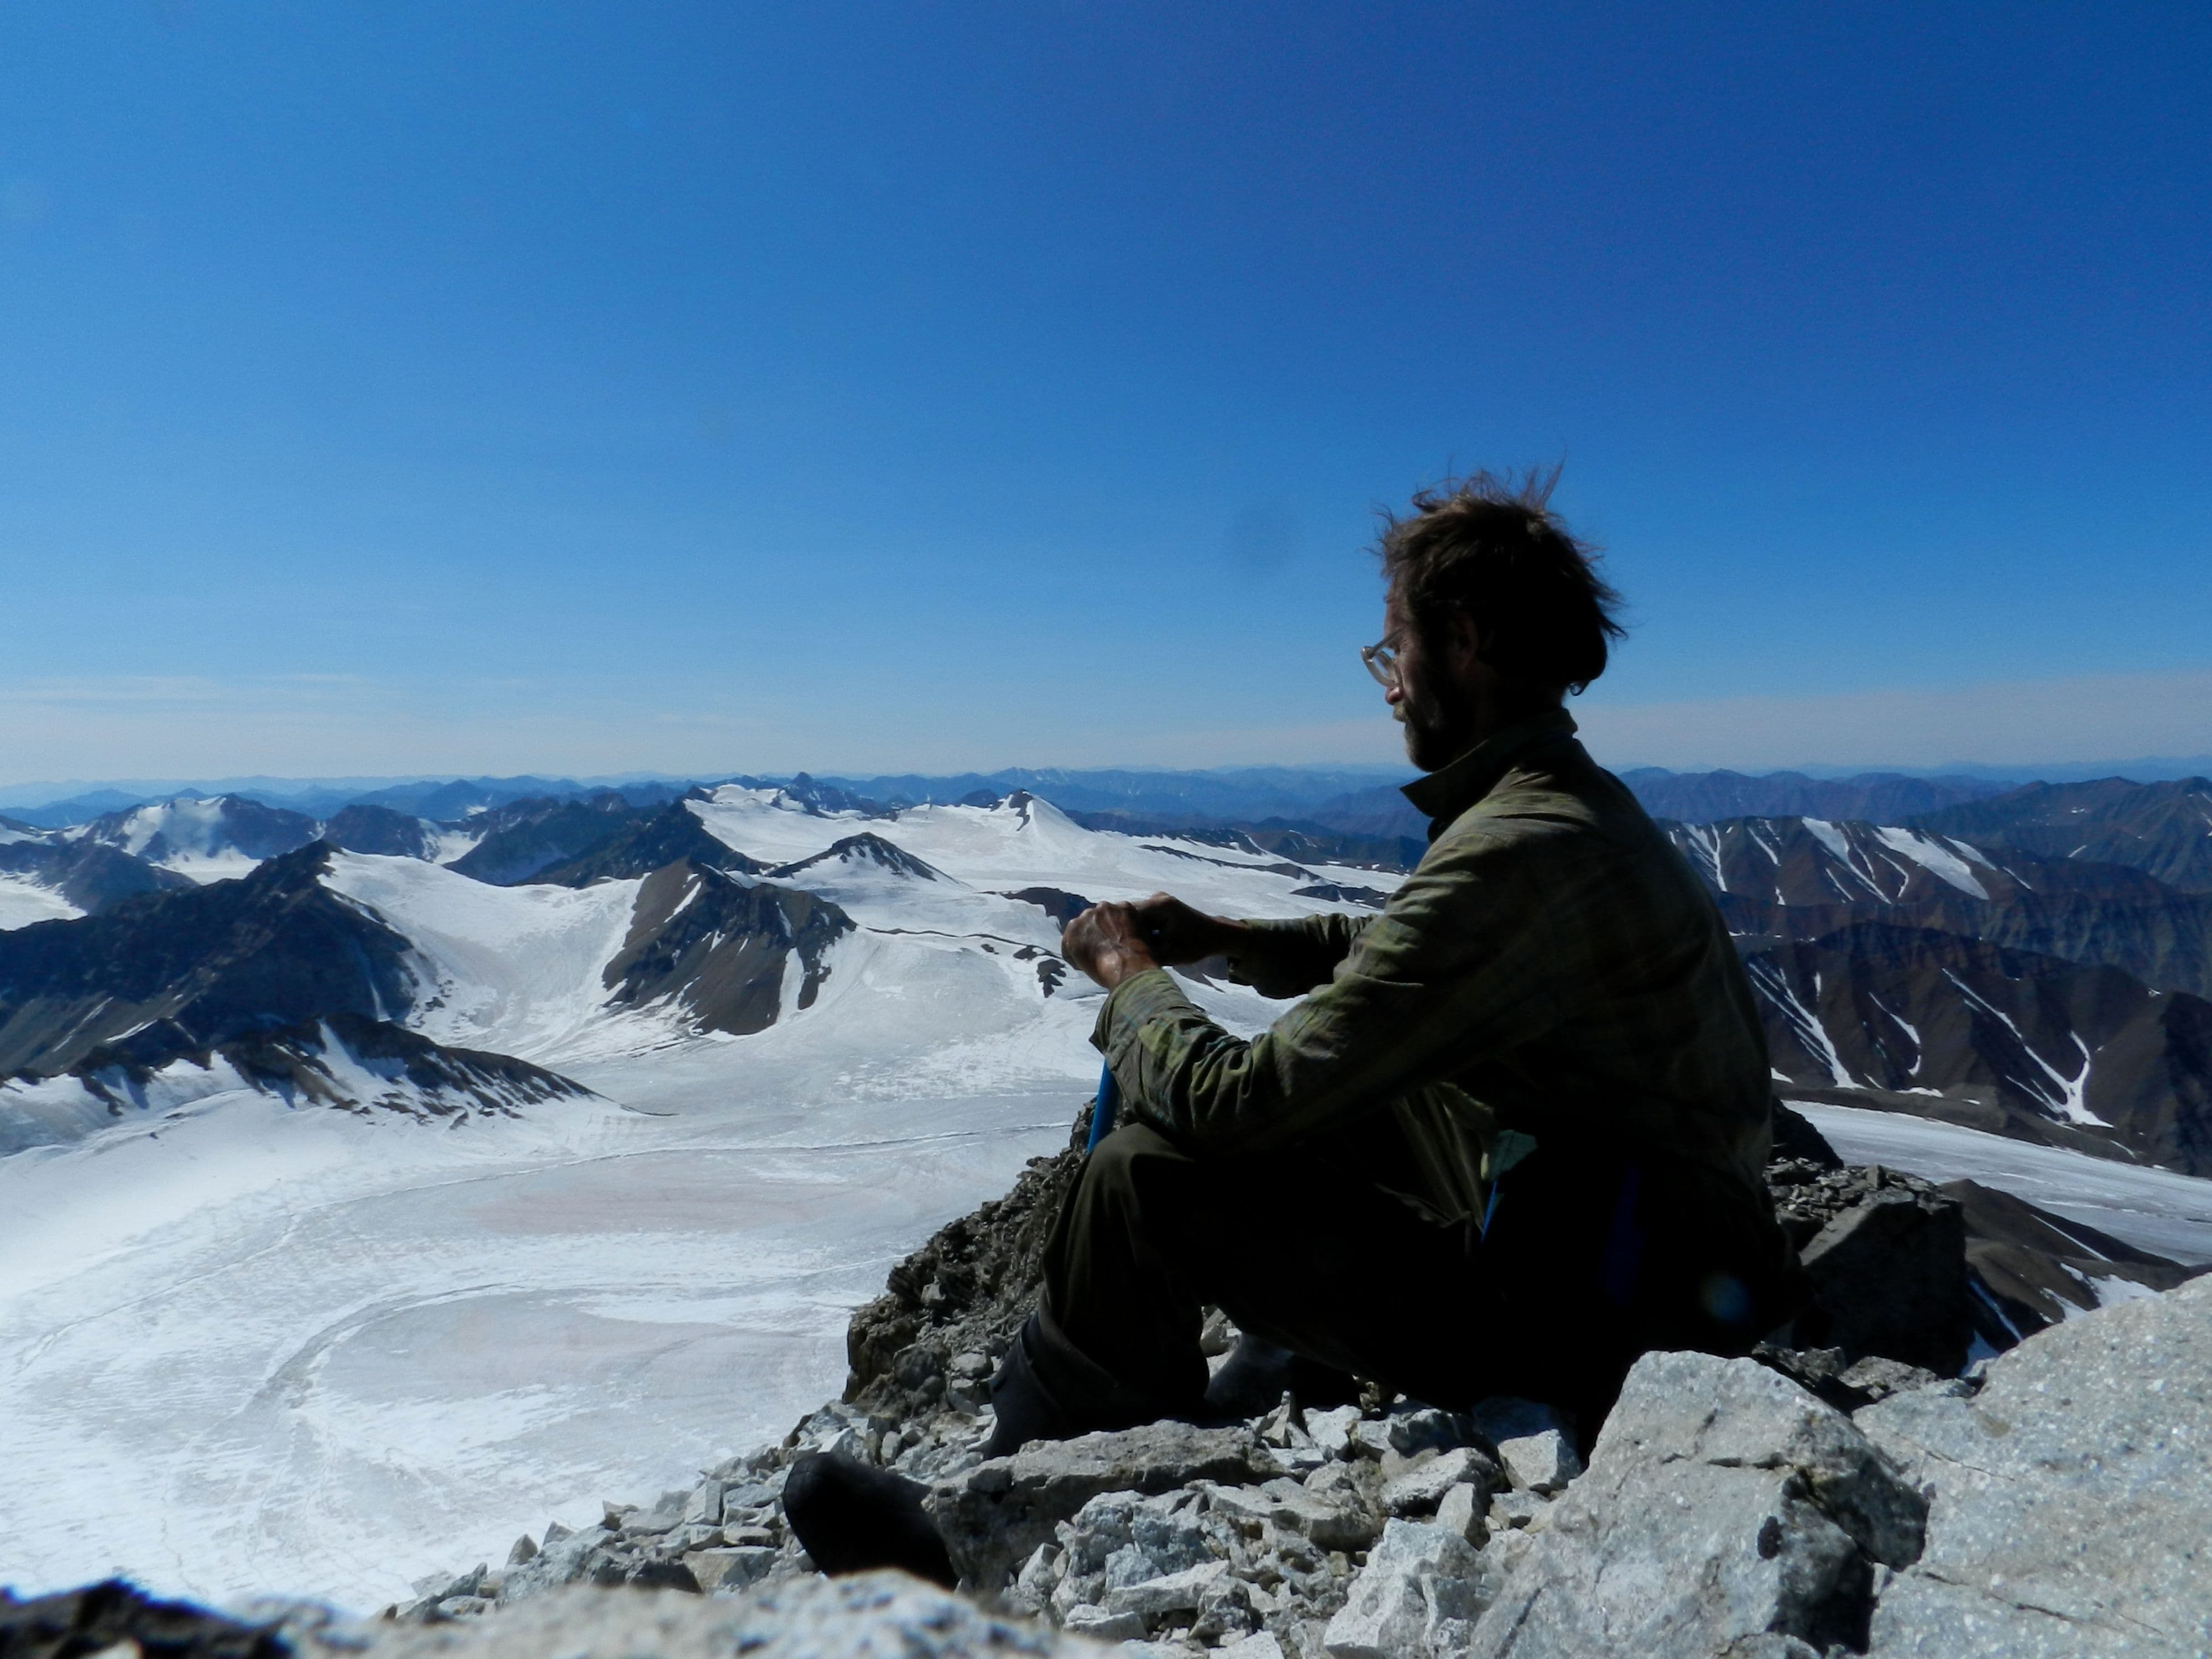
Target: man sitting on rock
<point>1510,1137</point>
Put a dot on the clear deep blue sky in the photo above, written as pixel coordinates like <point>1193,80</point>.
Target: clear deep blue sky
<point>405,386</point>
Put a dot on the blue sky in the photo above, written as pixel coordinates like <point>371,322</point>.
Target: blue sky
<point>392,387</point>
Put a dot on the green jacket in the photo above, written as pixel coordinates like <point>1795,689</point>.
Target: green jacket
<point>1552,967</point>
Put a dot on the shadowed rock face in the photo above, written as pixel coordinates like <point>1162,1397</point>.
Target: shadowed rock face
<point>340,1060</point>
<point>112,1616</point>
<point>653,843</point>
<point>367,828</point>
<point>91,875</point>
<point>722,947</point>
<point>1063,906</point>
<point>2025,1045</point>
<point>865,849</point>
<point>527,837</point>
<point>180,972</point>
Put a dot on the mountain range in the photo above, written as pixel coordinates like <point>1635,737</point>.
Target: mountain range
<point>2035,962</point>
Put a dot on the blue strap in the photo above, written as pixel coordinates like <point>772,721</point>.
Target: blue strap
<point>1101,1113</point>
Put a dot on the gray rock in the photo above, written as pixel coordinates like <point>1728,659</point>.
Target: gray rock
<point>876,1615</point>
<point>1332,1430</point>
<point>1369,1437</point>
<point>1421,1488</point>
<point>994,1515</point>
<point>525,1549</point>
<point>1891,1275</point>
<point>1153,1599</point>
<point>705,1503</point>
<point>1355,1480</point>
<point>1260,1645</point>
<point>2072,1501</point>
<point>730,1568</point>
<point>1125,1537</point>
<point>1335,1522</point>
<point>1417,1596</point>
<point>1460,1513</point>
<point>1535,1444</point>
<point>1227,1612</point>
<point>1509,1511</point>
<point>1413,1428</point>
<point>1088,1618</point>
<point>564,1558</point>
<point>1723,1503</point>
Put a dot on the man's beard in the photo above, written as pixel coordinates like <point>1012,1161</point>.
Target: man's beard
<point>1433,739</point>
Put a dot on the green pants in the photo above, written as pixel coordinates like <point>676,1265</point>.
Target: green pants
<point>1586,1265</point>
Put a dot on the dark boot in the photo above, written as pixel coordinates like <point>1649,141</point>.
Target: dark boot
<point>852,1517</point>
<point>1023,1408</point>
<point>1259,1374</point>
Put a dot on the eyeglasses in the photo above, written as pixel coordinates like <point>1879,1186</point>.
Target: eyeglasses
<point>1381,661</point>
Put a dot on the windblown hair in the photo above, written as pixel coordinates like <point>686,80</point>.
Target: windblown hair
<point>1494,550</point>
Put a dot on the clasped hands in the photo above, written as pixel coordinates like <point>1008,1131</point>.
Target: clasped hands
<point>1110,942</point>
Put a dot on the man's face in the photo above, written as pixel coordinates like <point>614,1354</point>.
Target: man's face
<point>1439,711</point>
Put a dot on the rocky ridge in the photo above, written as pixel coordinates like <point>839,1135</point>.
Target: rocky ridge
<point>1808,1501</point>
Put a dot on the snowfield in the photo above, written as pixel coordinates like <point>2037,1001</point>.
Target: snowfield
<point>246,1347</point>
<point>513,969</point>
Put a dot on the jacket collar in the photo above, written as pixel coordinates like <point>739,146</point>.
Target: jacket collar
<point>1450,790</point>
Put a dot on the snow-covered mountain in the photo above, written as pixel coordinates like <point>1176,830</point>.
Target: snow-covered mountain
<point>209,840</point>
<point>766,900</point>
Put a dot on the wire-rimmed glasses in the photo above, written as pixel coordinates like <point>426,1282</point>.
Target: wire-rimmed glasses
<point>1381,661</point>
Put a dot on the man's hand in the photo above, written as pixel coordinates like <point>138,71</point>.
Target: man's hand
<point>1104,941</point>
<point>1176,934</point>
<point>1110,942</point>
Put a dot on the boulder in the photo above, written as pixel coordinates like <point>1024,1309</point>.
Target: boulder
<point>1890,1275</point>
<point>1418,1598</point>
<point>1725,1510</point>
<point>2072,1496</point>
<point>994,1516</point>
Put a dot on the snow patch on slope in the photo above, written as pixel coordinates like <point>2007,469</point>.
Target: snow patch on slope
<point>23,901</point>
<point>1938,856</point>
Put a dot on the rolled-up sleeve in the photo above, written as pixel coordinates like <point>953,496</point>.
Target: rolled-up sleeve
<point>1465,961</point>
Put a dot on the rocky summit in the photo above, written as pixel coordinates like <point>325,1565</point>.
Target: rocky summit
<point>2052,1499</point>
